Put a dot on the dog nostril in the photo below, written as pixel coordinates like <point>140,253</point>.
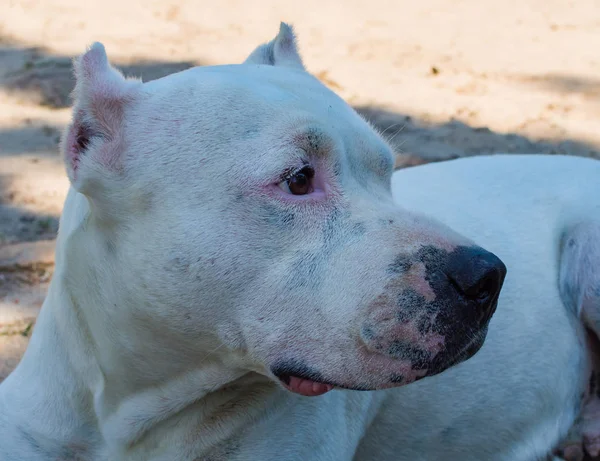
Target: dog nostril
<point>484,288</point>
<point>478,276</point>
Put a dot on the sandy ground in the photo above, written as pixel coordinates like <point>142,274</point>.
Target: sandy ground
<point>442,78</point>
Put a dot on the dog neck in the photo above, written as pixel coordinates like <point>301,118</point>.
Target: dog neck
<point>76,395</point>
<point>46,403</point>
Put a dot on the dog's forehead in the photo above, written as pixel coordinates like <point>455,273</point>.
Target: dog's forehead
<point>236,102</point>
<point>249,91</point>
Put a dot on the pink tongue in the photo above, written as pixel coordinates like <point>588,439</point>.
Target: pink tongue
<point>307,387</point>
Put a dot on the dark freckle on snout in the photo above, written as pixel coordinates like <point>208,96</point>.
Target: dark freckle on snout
<point>401,264</point>
<point>412,303</point>
<point>367,332</point>
<point>402,350</point>
<point>397,379</point>
<point>425,325</point>
<point>432,257</point>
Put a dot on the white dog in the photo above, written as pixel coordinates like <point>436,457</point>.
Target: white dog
<point>232,271</point>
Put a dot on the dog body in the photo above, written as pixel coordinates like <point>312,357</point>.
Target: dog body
<point>519,395</point>
<point>235,281</point>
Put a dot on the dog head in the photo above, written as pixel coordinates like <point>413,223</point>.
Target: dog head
<point>244,212</point>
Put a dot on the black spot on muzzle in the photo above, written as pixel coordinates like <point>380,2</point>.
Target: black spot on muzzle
<point>466,283</point>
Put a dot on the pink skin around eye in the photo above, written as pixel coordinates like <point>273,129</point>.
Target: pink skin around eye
<point>320,190</point>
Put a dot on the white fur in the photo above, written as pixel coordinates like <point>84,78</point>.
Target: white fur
<point>171,297</point>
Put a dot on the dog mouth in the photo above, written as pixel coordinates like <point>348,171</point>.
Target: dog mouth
<point>300,379</point>
<point>303,381</point>
<point>304,386</point>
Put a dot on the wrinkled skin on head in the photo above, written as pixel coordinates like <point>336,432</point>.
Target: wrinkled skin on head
<point>210,253</point>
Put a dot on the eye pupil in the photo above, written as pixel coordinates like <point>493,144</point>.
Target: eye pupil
<point>299,183</point>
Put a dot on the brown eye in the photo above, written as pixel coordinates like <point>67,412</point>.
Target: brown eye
<point>300,182</point>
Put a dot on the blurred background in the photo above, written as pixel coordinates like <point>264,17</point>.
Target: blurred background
<point>440,78</point>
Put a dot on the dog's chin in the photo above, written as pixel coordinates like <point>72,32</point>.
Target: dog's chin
<point>462,355</point>
<point>300,379</point>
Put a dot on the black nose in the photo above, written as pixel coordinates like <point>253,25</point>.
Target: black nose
<point>478,276</point>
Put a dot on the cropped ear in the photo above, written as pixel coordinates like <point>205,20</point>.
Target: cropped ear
<point>93,143</point>
<point>281,51</point>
